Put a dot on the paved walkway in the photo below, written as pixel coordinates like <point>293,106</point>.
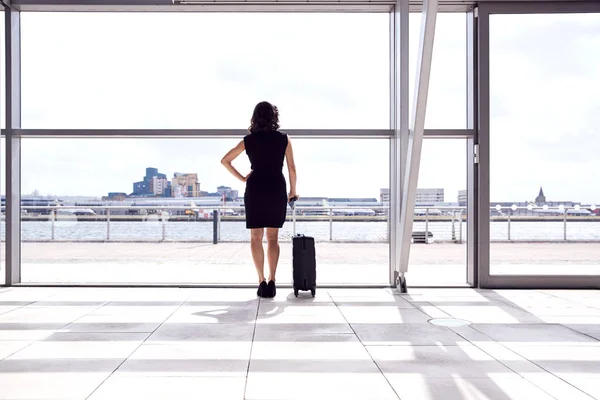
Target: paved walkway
<point>352,344</point>
<point>338,263</point>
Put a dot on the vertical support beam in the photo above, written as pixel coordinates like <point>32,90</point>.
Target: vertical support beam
<point>13,146</point>
<point>415,143</point>
<point>472,166</point>
<point>483,135</point>
<point>399,117</point>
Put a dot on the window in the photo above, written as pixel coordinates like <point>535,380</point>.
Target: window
<point>544,83</point>
<point>166,74</point>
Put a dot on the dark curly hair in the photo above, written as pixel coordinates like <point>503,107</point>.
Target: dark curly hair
<point>265,118</point>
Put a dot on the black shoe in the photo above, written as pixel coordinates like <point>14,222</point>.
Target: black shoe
<point>272,290</point>
<point>262,289</point>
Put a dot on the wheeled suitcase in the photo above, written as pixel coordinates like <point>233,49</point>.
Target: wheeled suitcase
<point>304,264</point>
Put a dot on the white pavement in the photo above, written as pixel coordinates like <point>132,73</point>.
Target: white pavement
<point>438,264</point>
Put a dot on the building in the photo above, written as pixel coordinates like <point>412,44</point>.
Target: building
<point>424,196</point>
<point>154,184</point>
<point>428,196</point>
<point>540,200</point>
<point>230,194</point>
<point>115,196</point>
<point>462,198</point>
<point>384,195</point>
<point>159,186</point>
<point>185,185</point>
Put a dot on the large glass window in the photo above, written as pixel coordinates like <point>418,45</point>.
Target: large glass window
<point>204,70</point>
<point>447,98</point>
<point>544,82</point>
<point>120,210</point>
<point>438,254</point>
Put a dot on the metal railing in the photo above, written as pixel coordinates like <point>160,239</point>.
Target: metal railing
<point>557,220</point>
<point>431,224</point>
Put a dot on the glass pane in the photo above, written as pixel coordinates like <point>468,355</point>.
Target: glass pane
<point>440,257</point>
<point>164,233</point>
<point>545,144</point>
<point>447,98</point>
<point>204,70</point>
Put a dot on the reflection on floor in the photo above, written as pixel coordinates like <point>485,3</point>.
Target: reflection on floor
<point>111,343</point>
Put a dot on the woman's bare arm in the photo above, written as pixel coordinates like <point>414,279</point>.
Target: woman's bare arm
<point>289,156</point>
<point>232,155</point>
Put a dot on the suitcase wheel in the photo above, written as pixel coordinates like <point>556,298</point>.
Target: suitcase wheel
<point>296,292</point>
<point>312,291</point>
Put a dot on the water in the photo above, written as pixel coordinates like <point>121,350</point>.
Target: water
<point>350,231</point>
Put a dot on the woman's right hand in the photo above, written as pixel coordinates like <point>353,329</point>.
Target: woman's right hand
<point>292,195</point>
<point>245,179</point>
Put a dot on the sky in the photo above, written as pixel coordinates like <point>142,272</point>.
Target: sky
<point>193,70</point>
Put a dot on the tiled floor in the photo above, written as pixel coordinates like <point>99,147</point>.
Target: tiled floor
<point>110,343</point>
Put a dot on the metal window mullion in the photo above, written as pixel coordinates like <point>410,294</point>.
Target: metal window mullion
<point>13,146</point>
<point>415,144</point>
<point>472,168</point>
<point>205,133</point>
<point>393,154</point>
<point>399,43</point>
<point>483,142</point>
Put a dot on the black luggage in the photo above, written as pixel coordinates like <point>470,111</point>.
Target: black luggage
<point>304,264</point>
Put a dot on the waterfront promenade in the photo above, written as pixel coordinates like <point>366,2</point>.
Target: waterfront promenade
<point>338,263</point>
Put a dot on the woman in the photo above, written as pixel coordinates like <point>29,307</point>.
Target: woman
<point>265,198</point>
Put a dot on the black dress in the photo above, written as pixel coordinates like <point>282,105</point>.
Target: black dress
<point>265,198</point>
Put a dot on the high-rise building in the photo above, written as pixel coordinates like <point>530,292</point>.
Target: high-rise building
<point>154,184</point>
<point>159,185</point>
<point>185,185</point>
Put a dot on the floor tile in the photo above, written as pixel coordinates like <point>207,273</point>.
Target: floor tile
<point>302,332</point>
<point>406,334</point>
<point>495,387</point>
<point>93,326</point>
<point>189,359</point>
<point>160,388</point>
<point>35,385</point>
<point>493,314</point>
<point>464,361</point>
<point>202,332</point>
<point>585,328</point>
<point>14,364</point>
<point>534,334</point>
<point>318,386</point>
<point>567,359</point>
<point>45,314</point>
<point>383,315</point>
<point>10,347</point>
<point>586,382</point>
<point>214,314</point>
<point>66,336</point>
<point>76,350</point>
<point>27,331</point>
<point>282,313</point>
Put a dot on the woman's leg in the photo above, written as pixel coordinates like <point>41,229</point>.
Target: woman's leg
<point>258,253</point>
<point>272,251</point>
